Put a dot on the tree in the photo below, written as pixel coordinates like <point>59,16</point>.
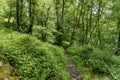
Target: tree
<point>31,15</point>
<point>118,35</point>
<point>60,10</point>
<point>18,15</point>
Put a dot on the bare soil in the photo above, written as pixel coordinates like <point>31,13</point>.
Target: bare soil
<point>73,70</point>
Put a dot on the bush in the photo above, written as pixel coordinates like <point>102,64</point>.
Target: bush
<point>74,50</point>
<point>83,52</point>
<point>34,60</point>
<point>65,44</point>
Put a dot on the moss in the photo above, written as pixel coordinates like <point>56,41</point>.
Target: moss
<point>6,71</point>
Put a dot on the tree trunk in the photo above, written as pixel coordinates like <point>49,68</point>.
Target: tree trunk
<point>90,23</point>
<point>83,27</point>
<point>58,36</point>
<point>118,36</point>
<point>9,16</point>
<point>87,26</point>
<point>44,35</point>
<point>17,15</point>
<point>21,13</point>
<point>98,22</point>
<point>31,16</point>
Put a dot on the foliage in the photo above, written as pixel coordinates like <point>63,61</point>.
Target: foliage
<point>105,62</point>
<point>33,59</point>
<point>96,60</point>
<point>90,28</point>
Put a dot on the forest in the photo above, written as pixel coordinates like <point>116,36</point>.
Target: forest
<point>59,39</point>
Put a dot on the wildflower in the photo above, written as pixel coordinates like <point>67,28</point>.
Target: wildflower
<point>0,64</point>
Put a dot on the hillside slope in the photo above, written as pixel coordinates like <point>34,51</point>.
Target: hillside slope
<point>33,59</point>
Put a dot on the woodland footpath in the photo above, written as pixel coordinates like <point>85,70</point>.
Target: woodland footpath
<point>59,39</point>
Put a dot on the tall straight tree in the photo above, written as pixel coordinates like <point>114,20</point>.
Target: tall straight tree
<point>19,12</point>
<point>118,23</point>
<point>98,21</point>
<point>90,23</point>
<point>116,13</point>
<point>31,15</point>
<point>17,15</point>
<point>10,11</point>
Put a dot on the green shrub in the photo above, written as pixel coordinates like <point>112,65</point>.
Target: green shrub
<point>34,60</point>
<point>65,44</point>
<point>74,50</point>
<point>82,52</point>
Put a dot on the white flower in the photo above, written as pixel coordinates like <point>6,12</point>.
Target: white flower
<point>6,78</point>
<point>0,63</point>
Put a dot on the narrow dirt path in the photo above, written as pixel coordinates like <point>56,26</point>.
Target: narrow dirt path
<point>73,70</point>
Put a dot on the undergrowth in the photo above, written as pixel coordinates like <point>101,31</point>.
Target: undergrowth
<point>33,59</point>
<point>95,63</point>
